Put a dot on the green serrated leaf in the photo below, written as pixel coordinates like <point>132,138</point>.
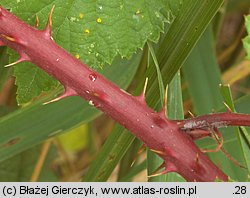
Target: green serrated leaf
<point>99,30</point>
<point>94,31</point>
<point>246,41</point>
<point>31,82</point>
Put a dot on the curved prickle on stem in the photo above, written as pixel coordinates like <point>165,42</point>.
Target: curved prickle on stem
<point>9,38</point>
<point>12,39</point>
<point>141,97</point>
<point>23,58</point>
<point>48,28</point>
<point>141,149</point>
<point>68,92</point>
<point>156,173</point>
<point>164,110</point>
<point>168,168</point>
<point>37,22</point>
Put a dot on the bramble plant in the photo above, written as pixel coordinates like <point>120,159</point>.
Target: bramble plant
<point>96,34</point>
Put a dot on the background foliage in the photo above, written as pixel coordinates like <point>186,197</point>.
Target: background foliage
<point>192,45</point>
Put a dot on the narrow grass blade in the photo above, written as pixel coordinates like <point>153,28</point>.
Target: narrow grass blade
<point>202,75</point>
<point>129,160</point>
<point>201,66</point>
<point>159,77</point>
<point>134,171</point>
<point>4,72</point>
<point>175,111</point>
<point>109,156</point>
<point>243,135</point>
<point>20,167</point>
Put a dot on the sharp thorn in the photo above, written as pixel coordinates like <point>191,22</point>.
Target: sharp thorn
<point>228,108</point>
<point>170,168</point>
<point>158,152</point>
<point>133,162</point>
<point>155,173</point>
<point>142,96</point>
<point>23,57</point>
<point>9,38</point>
<point>165,97</point>
<point>190,113</point>
<point>141,149</point>
<point>55,100</point>
<point>12,39</point>
<point>145,86</point>
<point>48,28</point>
<point>164,107</point>
<point>197,158</point>
<point>50,16</point>
<point>37,22</point>
<point>14,63</point>
<point>158,174</point>
<point>68,92</point>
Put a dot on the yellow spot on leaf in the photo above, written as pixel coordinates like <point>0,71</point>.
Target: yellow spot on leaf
<point>77,56</point>
<point>87,31</point>
<point>81,15</point>
<point>138,12</point>
<point>99,20</point>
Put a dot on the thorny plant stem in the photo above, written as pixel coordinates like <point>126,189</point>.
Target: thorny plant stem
<point>163,136</point>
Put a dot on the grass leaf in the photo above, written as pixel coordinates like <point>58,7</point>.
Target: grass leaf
<point>243,135</point>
